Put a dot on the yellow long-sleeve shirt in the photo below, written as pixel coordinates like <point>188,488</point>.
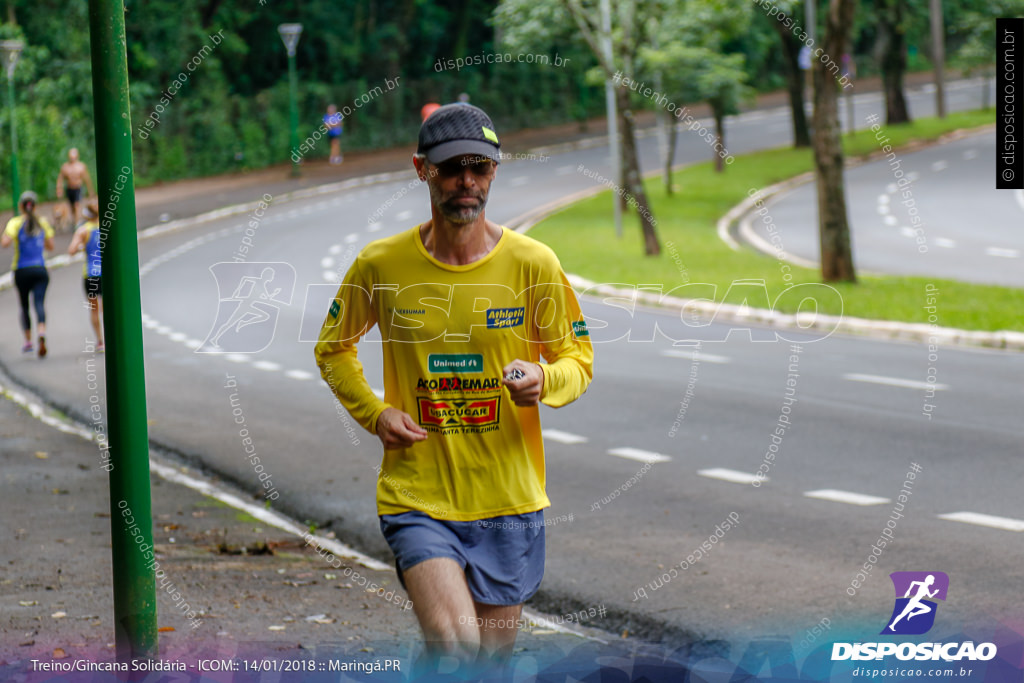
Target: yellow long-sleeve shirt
<point>448,331</point>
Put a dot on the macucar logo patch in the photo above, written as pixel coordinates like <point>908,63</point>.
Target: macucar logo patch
<point>452,413</point>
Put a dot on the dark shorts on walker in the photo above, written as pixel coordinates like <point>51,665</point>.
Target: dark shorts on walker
<point>503,557</point>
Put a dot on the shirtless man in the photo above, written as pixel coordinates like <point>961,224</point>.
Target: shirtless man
<point>75,173</point>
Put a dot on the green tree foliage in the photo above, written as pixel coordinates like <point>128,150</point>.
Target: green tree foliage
<point>231,112</point>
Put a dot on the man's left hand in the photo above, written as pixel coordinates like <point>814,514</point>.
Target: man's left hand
<point>526,390</point>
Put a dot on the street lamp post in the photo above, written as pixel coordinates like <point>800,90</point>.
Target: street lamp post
<point>290,35</point>
<point>12,50</point>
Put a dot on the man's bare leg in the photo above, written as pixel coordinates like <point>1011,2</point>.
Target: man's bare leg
<point>499,631</point>
<point>444,607</point>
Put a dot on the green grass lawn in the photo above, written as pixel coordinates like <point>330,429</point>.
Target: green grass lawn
<point>583,235</point>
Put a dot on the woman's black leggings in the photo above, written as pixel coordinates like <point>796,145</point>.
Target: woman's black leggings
<point>32,280</point>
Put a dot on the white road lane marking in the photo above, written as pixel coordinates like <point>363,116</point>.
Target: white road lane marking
<point>519,181</point>
<point>237,357</point>
<point>563,437</point>
<point>700,357</point>
<point>893,381</point>
<point>907,231</point>
<point>353,238</point>
<point>404,215</point>
<point>945,242</point>
<point>334,249</point>
<point>565,170</point>
<point>327,262</point>
<point>299,374</point>
<point>1004,523</point>
<point>637,454</point>
<point>1001,252</point>
<point>269,366</point>
<point>890,220</point>
<point>940,166</point>
<point>883,199</point>
<point>330,276</point>
<point>372,227</point>
<point>970,154</point>
<point>837,496</point>
<point>732,476</point>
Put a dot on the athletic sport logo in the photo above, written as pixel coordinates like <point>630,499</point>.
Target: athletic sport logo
<point>914,612</point>
<point>250,299</point>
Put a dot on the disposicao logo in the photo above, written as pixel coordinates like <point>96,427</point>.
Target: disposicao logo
<point>914,614</point>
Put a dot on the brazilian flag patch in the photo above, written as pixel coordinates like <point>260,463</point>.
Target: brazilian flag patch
<point>579,328</point>
<point>335,308</point>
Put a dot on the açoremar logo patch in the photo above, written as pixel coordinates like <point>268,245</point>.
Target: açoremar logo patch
<point>916,593</point>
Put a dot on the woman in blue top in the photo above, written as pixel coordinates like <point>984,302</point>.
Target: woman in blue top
<point>30,236</point>
<point>88,237</point>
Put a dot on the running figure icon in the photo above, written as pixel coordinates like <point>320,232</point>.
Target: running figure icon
<point>915,607</point>
<point>251,307</point>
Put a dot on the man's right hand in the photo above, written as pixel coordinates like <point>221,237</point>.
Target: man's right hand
<point>398,430</point>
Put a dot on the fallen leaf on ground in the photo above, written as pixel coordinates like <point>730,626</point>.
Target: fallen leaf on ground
<point>165,629</point>
<point>314,617</point>
<point>59,615</point>
<point>42,455</point>
<point>28,603</point>
<point>58,653</point>
<point>276,627</point>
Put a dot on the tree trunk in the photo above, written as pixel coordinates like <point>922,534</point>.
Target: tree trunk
<point>794,84</point>
<point>670,153</point>
<point>891,52</point>
<point>716,111</point>
<point>833,223</point>
<point>633,181</point>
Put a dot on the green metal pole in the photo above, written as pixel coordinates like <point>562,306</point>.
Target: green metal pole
<point>131,516</point>
<point>293,87</point>
<point>15,178</point>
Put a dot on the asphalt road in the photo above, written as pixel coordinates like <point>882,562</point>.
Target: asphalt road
<point>966,230</point>
<point>856,414</point>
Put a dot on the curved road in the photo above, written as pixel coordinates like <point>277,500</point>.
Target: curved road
<point>689,423</point>
<point>965,230</point>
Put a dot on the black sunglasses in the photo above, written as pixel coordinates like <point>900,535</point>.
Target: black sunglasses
<point>479,166</point>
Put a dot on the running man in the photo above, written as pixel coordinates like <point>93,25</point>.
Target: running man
<point>75,174</point>
<point>332,119</point>
<point>467,309</point>
<point>915,606</point>
<point>88,237</point>
<point>30,235</point>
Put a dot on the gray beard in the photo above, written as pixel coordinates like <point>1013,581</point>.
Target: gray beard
<point>457,215</point>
